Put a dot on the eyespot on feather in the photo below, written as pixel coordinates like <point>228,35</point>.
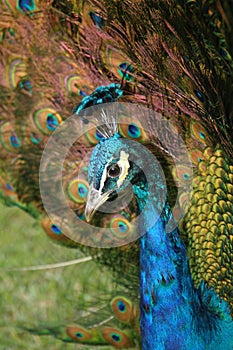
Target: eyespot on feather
<point>7,190</point>
<point>182,174</point>
<point>92,135</point>
<point>79,334</point>
<point>199,132</point>
<point>117,63</point>
<point>9,139</point>
<point>117,338</point>
<point>196,155</point>
<point>83,335</point>
<point>78,190</point>
<point>23,6</point>
<point>46,120</point>
<point>15,71</point>
<point>120,226</point>
<point>123,309</point>
<point>130,128</point>
<point>75,86</point>
<point>54,232</point>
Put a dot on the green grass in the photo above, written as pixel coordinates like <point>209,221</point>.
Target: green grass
<point>34,298</point>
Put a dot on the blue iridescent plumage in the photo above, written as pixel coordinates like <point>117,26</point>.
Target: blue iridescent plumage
<point>26,5</point>
<point>102,94</point>
<point>97,20</point>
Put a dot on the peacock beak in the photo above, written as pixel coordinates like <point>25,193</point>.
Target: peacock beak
<point>94,200</point>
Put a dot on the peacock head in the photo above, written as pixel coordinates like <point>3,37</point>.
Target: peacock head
<point>112,172</point>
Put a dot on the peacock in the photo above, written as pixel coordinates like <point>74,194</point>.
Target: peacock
<point>173,60</point>
<point>173,315</point>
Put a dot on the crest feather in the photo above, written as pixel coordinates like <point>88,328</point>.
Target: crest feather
<point>109,127</point>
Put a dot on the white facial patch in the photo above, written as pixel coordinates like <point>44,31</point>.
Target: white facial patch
<point>104,176</point>
<point>124,165</point>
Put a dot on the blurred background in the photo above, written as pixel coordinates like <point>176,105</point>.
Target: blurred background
<point>32,298</point>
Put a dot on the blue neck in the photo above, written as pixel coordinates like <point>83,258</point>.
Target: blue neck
<point>172,317</point>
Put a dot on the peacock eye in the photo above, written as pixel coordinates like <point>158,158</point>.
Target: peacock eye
<point>114,170</point>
